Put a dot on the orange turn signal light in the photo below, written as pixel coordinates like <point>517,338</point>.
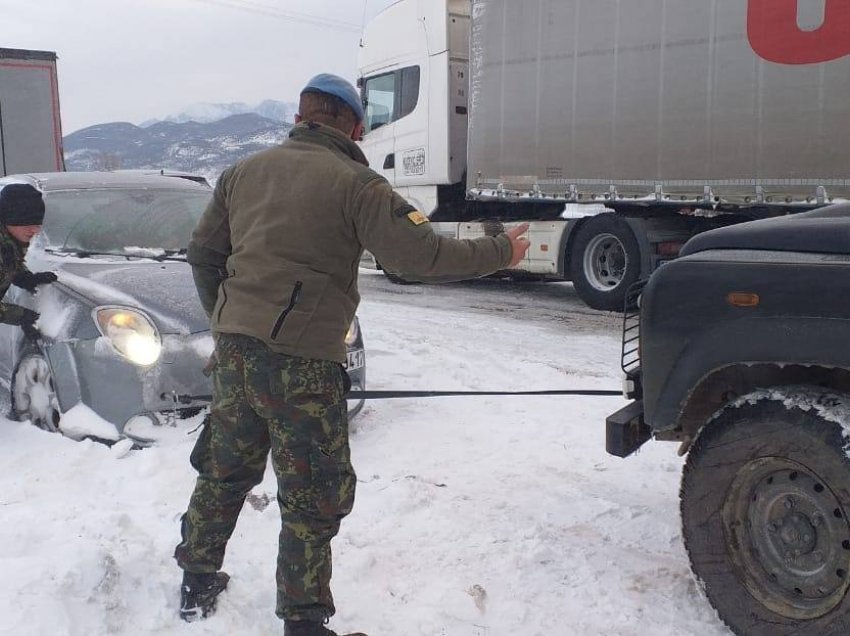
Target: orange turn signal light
<point>743,299</point>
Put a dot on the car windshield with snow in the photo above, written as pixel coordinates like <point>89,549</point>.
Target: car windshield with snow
<point>124,222</point>
<point>125,339</point>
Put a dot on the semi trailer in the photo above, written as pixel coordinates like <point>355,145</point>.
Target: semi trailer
<point>30,127</point>
<point>619,130</point>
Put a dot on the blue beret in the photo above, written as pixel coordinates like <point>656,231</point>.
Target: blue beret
<point>338,87</point>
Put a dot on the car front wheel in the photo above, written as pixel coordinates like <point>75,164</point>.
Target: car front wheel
<point>765,503</point>
<point>34,394</point>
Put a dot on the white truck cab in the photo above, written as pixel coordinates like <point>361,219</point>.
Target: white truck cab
<point>414,62</point>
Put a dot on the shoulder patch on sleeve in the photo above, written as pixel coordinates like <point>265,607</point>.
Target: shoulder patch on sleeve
<point>414,216</point>
<point>417,218</point>
<point>403,210</point>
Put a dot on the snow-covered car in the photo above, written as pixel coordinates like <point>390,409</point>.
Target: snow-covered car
<point>125,339</point>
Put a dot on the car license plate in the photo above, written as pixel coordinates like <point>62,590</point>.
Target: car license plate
<point>356,360</point>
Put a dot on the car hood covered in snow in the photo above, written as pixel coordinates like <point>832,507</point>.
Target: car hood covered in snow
<point>165,290</point>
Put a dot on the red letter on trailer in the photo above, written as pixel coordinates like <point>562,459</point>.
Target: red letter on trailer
<point>775,35</point>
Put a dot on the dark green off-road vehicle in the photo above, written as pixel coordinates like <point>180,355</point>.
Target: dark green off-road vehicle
<point>739,350</point>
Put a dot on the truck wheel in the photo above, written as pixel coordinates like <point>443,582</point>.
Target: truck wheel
<point>604,262</point>
<point>765,500</point>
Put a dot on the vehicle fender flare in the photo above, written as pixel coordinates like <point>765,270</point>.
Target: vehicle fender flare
<point>747,342</point>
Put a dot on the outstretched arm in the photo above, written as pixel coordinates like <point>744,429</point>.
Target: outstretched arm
<point>403,241</point>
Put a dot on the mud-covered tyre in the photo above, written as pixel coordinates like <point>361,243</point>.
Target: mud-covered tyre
<point>765,500</point>
<point>604,261</point>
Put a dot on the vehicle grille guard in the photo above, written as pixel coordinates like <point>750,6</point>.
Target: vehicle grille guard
<point>630,360</point>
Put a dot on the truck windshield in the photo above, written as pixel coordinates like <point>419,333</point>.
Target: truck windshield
<point>390,96</point>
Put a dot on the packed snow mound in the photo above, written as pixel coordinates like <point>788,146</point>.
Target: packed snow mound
<point>81,422</point>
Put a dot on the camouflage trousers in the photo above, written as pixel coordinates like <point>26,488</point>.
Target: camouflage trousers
<point>293,408</point>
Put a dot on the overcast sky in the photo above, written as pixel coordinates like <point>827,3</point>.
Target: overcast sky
<point>133,60</point>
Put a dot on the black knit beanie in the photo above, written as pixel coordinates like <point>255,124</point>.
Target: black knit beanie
<point>21,204</point>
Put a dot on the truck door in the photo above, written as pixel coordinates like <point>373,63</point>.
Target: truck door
<point>379,94</point>
<point>411,133</point>
<point>396,141</point>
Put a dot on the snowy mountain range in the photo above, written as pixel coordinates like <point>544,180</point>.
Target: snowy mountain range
<point>206,113</point>
<point>204,139</point>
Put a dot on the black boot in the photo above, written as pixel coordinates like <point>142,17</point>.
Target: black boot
<point>198,594</point>
<point>311,628</point>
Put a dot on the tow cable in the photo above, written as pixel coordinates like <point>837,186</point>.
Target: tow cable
<point>391,395</point>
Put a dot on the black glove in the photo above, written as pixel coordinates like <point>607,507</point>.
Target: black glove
<point>29,280</point>
<point>24,318</point>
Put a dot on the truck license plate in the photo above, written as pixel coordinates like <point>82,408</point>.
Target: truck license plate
<point>356,360</point>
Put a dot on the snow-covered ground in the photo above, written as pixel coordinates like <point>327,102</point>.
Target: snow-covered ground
<point>474,517</point>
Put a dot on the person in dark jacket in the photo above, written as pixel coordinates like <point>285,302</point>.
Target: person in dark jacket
<point>275,259</point>
<point>21,216</point>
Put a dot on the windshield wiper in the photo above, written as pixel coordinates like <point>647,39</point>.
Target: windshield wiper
<point>67,251</point>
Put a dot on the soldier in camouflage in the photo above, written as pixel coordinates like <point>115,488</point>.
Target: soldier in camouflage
<point>275,258</point>
<point>21,216</point>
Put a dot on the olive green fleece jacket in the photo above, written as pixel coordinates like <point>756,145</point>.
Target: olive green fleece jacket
<point>276,253</point>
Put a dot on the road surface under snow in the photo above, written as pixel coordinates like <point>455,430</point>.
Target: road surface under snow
<point>474,516</point>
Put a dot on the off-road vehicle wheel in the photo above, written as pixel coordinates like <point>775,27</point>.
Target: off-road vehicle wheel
<point>765,501</point>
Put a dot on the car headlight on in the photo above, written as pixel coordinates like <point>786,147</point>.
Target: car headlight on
<point>353,332</point>
<point>131,333</point>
